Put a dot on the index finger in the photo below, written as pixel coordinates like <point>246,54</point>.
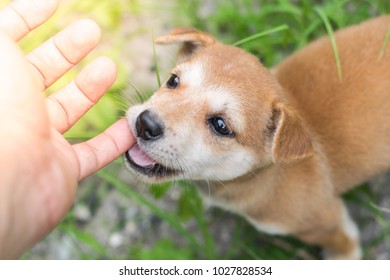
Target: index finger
<point>21,16</point>
<point>99,151</point>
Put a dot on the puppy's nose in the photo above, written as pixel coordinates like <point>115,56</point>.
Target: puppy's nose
<point>148,126</point>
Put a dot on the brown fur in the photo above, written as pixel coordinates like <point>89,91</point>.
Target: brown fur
<point>313,136</point>
<point>350,118</point>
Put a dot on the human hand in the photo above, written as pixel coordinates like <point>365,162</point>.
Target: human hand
<point>39,169</point>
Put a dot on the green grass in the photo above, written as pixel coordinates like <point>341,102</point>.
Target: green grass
<point>138,198</point>
<point>260,34</point>
<point>329,29</point>
<point>155,62</point>
<point>270,30</point>
<point>385,42</point>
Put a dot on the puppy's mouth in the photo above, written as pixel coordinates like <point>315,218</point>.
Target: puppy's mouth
<point>143,164</point>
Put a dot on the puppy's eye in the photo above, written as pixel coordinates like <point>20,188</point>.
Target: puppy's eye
<point>173,82</point>
<point>219,126</point>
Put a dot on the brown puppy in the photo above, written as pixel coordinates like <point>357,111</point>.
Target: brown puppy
<point>279,147</point>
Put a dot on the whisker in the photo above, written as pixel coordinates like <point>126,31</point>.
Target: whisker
<point>133,95</point>
<point>146,187</point>
<point>251,171</point>
<point>222,183</point>
<point>209,188</point>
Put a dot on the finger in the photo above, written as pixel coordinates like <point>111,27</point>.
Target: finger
<point>69,104</point>
<point>96,153</point>
<point>22,16</point>
<point>57,55</point>
<point>19,92</point>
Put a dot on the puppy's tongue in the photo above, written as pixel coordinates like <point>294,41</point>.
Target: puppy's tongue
<point>139,157</point>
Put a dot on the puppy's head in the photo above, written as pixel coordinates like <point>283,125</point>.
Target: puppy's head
<point>218,116</point>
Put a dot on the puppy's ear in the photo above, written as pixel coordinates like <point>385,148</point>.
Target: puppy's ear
<point>291,140</point>
<point>192,39</point>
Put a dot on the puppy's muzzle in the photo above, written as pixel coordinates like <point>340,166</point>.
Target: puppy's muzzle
<point>149,127</point>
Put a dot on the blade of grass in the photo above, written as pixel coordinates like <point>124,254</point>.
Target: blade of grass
<point>385,42</point>
<point>311,28</point>
<point>155,62</point>
<point>365,200</point>
<point>236,240</point>
<point>261,34</point>
<point>285,9</point>
<point>250,252</point>
<point>140,199</point>
<point>382,209</point>
<point>85,238</point>
<point>329,29</point>
<point>195,201</point>
<point>81,136</point>
<point>141,97</point>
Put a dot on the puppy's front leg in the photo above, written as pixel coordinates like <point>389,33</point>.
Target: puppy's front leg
<point>339,238</point>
